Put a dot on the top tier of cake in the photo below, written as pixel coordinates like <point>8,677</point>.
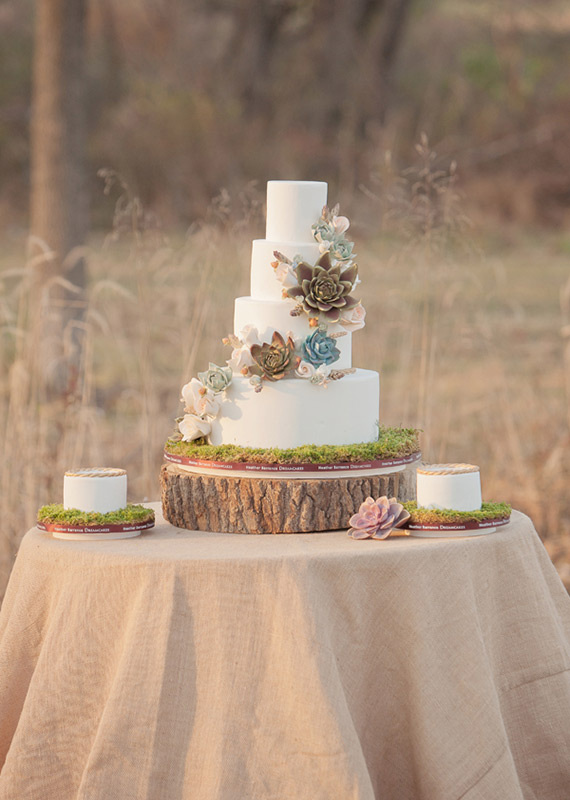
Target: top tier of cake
<point>292,208</point>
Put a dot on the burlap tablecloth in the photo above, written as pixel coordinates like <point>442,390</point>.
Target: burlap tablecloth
<point>193,666</point>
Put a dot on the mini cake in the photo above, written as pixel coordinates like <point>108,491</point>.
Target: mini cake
<point>449,503</point>
<point>101,489</point>
<point>95,507</point>
<point>456,486</point>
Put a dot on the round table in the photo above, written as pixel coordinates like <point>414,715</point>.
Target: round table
<point>196,666</point>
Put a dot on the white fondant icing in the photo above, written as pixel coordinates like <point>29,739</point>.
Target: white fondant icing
<point>88,492</point>
<point>459,491</point>
<point>293,412</point>
<point>264,284</point>
<point>292,208</point>
<point>274,315</point>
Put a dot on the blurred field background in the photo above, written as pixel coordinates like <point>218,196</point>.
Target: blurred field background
<point>441,127</point>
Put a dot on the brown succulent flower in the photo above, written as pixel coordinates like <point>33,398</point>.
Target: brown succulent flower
<point>273,361</point>
<point>324,289</point>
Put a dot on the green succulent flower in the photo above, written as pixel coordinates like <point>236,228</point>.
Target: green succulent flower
<point>216,378</point>
<point>273,361</point>
<point>324,289</point>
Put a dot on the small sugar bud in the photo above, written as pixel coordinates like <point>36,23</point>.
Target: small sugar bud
<point>225,340</point>
<point>202,391</point>
<point>313,322</point>
<point>284,294</point>
<point>275,264</point>
<point>245,370</point>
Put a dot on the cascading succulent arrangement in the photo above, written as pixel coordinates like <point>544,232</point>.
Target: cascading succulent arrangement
<point>323,291</point>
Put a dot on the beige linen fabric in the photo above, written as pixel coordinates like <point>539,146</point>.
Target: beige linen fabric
<point>195,666</point>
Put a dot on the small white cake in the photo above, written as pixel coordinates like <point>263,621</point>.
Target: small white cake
<point>99,489</point>
<point>454,486</point>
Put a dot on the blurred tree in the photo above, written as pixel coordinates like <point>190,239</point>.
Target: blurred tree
<point>251,50</point>
<point>367,35</point>
<point>59,215</point>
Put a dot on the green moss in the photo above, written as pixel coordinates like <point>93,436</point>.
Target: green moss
<point>73,516</point>
<point>429,516</point>
<point>391,443</point>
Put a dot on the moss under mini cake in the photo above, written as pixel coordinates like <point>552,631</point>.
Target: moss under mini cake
<point>448,516</point>
<point>56,514</point>
<point>391,443</point>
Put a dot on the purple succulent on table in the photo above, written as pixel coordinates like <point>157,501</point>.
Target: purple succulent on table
<point>376,519</point>
<point>323,288</point>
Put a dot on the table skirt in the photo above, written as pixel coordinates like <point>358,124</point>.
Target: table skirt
<point>196,666</point>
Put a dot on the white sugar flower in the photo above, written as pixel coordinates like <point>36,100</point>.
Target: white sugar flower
<point>285,274</point>
<point>305,370</point>
<point>341,224</point>
<point>193,427</point>
<point>199,400</point>
<point>249,335</point>
<point>353,319</point>
<point>240,358</point>
<point>241,355</point>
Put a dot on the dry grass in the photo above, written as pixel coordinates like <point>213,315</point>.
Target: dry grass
<point>467,342</point>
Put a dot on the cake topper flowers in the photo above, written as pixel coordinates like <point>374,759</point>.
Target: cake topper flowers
<point>376,519</point>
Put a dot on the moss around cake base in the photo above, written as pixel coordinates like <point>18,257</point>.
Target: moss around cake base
<point>72,523</point>
<point>487,518</point>
<point>394,447</point>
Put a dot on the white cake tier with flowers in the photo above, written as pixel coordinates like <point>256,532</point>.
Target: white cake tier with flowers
<point>294,413</point>
<point>289,380</point>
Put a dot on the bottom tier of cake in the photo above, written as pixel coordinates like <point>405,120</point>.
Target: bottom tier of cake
<point>292,413</point>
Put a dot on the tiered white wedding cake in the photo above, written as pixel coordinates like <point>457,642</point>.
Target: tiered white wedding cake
<point>285,436</point>
<point>290,381</point>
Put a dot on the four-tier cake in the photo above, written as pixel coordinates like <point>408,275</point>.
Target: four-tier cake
<point>288,395</point>
<point>302,289</point>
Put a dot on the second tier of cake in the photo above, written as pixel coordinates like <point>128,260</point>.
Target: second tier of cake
<point>275,315</point>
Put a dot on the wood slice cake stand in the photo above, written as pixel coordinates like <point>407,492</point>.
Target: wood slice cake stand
<point>258,504</point>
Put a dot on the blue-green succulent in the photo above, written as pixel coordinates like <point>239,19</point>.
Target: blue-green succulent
<point>318,348</point>
<point>217,379</point>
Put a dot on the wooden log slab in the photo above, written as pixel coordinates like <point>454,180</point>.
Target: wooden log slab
<point>269,505</point>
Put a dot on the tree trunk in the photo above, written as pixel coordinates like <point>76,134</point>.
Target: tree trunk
<point>270,505</point>
<point>371,33</point>
<point>59,216</point>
